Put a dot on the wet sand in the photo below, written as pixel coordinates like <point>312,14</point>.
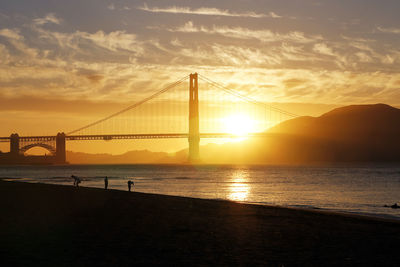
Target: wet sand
<point>53,225</point>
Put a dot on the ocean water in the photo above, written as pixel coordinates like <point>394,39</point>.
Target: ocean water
<point>362,189</point>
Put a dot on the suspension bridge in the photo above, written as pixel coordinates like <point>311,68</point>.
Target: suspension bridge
<point>165,114</point>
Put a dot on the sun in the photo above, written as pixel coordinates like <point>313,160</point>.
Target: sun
<point>239,125</point>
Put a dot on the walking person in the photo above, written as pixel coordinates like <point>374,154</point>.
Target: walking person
<point>130,183</point>
<point>105,183</point>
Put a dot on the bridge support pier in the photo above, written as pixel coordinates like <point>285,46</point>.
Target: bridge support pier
<point>14,144</point>
<point>194,132</point>
<point>61,157</point>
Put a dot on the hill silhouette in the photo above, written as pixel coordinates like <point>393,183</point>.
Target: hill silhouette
<point>137,157</point>
<point>357,133</point>
<point>357,123</point>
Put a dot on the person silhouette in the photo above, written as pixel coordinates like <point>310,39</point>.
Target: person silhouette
<point>130,183</point>
<point>78,181</point>
<point>75,180</point>
<point>105,183</point>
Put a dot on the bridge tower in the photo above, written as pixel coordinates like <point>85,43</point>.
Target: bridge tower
<point>60,149</point>
<point>14,144</point>
<point>194,133</point>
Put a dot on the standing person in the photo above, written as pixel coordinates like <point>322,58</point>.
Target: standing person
<point>105,183</point>
<point>130,183</point>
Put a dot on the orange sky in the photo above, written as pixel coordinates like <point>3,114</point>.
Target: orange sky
<point>61,69</point>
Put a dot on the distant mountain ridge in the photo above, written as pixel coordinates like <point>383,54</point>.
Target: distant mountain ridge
<point>138,156</point>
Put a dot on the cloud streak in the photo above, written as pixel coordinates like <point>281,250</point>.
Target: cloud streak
<point>389,30</point>
<point>112,41</point>
<point>11,34</point>
<point>207,11</point>
<point>49,18</point>
<point>111,6</point>
<point>245,33</point>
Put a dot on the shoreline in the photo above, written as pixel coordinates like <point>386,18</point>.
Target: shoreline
<point>273,164</point>
<point>367,216</point>
<point>44,224</point>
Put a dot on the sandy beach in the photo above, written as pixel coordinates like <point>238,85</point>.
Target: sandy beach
<point>53,225</point>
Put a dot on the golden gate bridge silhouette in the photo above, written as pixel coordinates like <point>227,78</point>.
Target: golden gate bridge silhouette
<point>139,121</point>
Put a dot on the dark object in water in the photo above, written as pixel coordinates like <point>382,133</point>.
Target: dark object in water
<point>394,206</point>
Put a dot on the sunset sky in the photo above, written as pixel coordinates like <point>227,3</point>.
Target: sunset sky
<point>64,63</point>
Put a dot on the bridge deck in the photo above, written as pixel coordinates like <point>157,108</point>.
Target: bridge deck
<point>129,136</point>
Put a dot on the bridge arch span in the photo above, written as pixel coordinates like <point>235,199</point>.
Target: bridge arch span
<point>49,148</point>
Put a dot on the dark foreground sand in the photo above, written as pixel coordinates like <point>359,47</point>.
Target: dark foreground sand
<point>48,225</point>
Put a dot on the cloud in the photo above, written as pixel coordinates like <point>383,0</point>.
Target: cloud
<point>112,41</point>
<point>245,33</point>
<point>176,42</point>
<point>34,103</point>
<point>237,56</point>
<point>342,58</point>
<point>18,42</point>
<point>11,34</point>
<point>111,6</point>
<point>367,54</point>
<point>389,59</point>
<point>274,15</point>
<point>363,57</point>
<point>358,39</point>
<point>4,16</point>
<point>206,11</point>
<point>49,18</point>
<point>389,30</point>
<point>4,55</point>
<point>291,83</point>
<point>323,49</point>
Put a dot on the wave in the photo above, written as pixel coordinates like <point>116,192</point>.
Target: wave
<point>182,178</point>
<point>306,207</point>
<point>162,178</point>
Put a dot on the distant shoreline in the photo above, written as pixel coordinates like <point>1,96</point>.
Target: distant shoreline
<point>311,164</point>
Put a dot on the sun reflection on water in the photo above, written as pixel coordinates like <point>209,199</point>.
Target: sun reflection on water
<point>239,189</point>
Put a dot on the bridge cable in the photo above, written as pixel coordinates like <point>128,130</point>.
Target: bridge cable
<point>246,98</point>
<point>132,106</point>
